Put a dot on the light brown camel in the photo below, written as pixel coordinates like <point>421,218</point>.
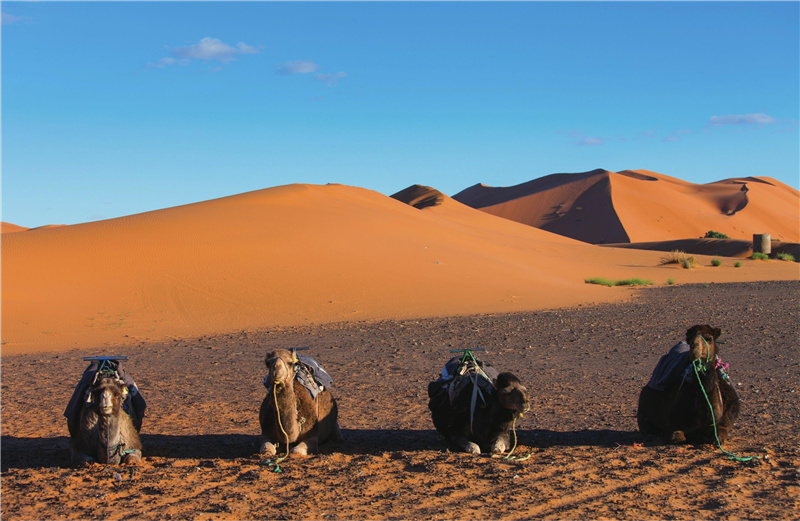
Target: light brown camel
<point>105,432</point>
<point>289,415</point>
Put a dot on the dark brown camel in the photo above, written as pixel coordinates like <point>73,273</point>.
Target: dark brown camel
<point>675,403</point>
<point>105,432</point>
<point>289,415</point>
<point>474,420</point>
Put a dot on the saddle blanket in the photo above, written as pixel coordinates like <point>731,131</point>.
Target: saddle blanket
<point>134,404</point>
<point>671,367</point>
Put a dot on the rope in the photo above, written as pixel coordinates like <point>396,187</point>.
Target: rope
<point>514,432</point>
<point>274,463</point>
<point>730,455</point>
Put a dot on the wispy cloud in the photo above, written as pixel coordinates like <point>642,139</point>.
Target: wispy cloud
<point>8,19</point>
<point>297,67</point>
<point>207,49</point>
<point>741,119</point>
<point>331,79</point>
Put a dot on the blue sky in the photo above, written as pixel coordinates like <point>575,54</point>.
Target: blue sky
<point>111,109</point>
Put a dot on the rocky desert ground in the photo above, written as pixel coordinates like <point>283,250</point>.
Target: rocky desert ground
<point>584,459</point>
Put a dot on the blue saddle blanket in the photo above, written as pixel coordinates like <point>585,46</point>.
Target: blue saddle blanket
<point>671,367</point>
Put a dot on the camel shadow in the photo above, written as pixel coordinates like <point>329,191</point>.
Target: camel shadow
<point>31,453</point>
<point>208,446</point>
<point>544,438</point>
<point>378,441</point>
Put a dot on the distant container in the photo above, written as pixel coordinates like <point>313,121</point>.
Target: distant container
<point>762,243</point>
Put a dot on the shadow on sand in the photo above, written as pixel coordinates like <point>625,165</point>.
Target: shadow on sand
<point>544,438</point>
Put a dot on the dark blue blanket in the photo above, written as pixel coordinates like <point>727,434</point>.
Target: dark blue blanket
<point>671,367</point>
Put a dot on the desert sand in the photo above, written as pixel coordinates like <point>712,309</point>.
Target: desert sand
<point>601,206</point>
<point>381,288</point>
<point>302,254</point>
<point>583,366</point>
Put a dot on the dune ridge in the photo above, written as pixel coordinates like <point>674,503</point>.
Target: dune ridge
<point>299,254</point>
<point>10,228</point>
<point>601,206</point>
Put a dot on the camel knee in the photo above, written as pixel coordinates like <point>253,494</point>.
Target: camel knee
<point>677,437</point>
<point>500,445</point>
<point>465,445</point>
<point>267,448</point>
<point>301,449</point>
<point>133,457</point>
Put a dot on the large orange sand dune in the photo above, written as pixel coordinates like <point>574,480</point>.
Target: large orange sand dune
<point>642,206</point>
<point>300,254</point>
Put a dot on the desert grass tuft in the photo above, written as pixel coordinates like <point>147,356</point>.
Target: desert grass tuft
<point>737,265</point>
<point>760,256</point>
<point>680,257</point>
<point>625,282</point>
<point>716,262</point>
<point>670,282</point>
<point>785,256</point>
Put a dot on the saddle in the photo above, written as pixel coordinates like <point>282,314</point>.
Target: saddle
<point>310,374</point>
<point>676,365</point>
<point>134,405</point>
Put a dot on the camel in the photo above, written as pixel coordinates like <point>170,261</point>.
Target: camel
<point>675,402</point>
<point>289,414</point>
<point>475,408</point>
<point>105,433</point>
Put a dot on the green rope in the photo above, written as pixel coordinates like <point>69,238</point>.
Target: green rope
<point>730,455</point>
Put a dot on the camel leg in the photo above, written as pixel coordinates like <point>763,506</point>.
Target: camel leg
<point>677,437</point>
<point>303,448</point>
<point>501,444</point>
<point>267,448</point>
<point>722,434</point>
<point>132,457</point>
<point>337,433</point>
<point>79,459</point>
<point>464,445</point>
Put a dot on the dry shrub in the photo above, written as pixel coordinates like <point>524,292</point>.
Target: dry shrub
<point>679,257</point>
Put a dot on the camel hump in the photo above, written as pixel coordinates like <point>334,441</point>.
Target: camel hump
<point>671,367</point>
<point>457,376</point>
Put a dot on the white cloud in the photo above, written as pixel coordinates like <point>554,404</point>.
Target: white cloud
<point>207,49</point>
<point>331,79</point>
<point>8,19</point>
<point>213,49</point>
<point>297,67</point>
<point>741,119</point>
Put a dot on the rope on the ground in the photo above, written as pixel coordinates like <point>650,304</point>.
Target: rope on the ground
<point>730,455</point>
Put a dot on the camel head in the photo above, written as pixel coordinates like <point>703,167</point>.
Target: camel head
<point>702,341</point>
<point>280,364</point>
<point>106,395</point>
<point>511,393</point>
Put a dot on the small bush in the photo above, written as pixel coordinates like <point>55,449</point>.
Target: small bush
<point>711,234</point>
<point>716,262</point>
<point>785,256</point>
<point>670,282</point>
<point>679,257</point>
<point>760,256</point>
<point>737,265</point>
<point>625,282</point>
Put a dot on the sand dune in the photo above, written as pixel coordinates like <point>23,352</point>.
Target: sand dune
<point>10,228</point>
<point>642,206</point>
<point>299,254</point>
